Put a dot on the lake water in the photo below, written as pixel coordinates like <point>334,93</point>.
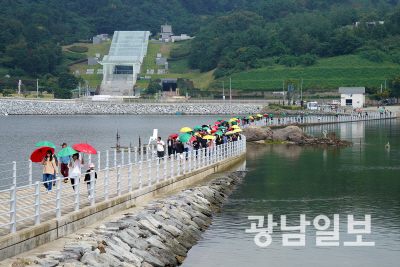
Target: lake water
<point>281,180</point>
<point>289,180</point>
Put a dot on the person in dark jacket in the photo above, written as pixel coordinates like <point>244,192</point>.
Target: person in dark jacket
<point>180,149</point>
<point>87,177</point>
<point>170,144</point>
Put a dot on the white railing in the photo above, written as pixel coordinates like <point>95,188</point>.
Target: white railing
<point>349,117</point>
<point>31,204</point>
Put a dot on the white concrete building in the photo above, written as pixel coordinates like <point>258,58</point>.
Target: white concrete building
<point>124,61</point>
<point>352,96</point>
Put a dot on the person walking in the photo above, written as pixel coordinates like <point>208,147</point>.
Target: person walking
<point>179,150</point>
<point>75,166</point>
<point>49,167</point>
<point>160,148</point>
<point>87,178</point>
<point>170,143</point>
<point>63,162</point>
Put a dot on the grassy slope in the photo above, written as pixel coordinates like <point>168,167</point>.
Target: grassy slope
<point>349,70</point>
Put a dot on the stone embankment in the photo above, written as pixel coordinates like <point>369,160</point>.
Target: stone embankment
<point>66,108</point>
<point>291,134</point>
<point>159,235</point>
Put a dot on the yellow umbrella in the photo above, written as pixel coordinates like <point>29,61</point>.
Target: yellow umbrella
<point>229,133</point>
<point>233,119</point>
<point>251,117</point>
<point>186,129</point>
<point>237,130</point>
<point>196,134</point>
<point>208,137</point>
<point>235,127</point>
<point>259,115</point>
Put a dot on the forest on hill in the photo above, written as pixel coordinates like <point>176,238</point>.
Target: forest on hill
<point>231,35</point>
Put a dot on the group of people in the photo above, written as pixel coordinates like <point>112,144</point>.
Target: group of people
<point>70,167</point>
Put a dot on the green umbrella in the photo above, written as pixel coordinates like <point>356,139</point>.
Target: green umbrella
<point>270,115</point>
<point>66,152</point>
<point>206,128</point>
<point>247,118</point>
<point>234,123</point>
<point>283,114</point>
<point>381,111</point>
<point>197,127</point>
<point>45,143</point>
<point>336,113</point>
<point>185,137</point>
<point>219,120</point>
<point>306,114</point>
<point>222,127</point>
<point>218,133</point>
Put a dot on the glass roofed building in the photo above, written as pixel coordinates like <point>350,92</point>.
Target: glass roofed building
<point>124,60</point>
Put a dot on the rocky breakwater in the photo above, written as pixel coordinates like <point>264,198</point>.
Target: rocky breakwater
<point>71,108</point>
<point>159,235</point>
<point>290,135</point>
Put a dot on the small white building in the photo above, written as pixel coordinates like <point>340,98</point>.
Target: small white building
<point>352,96</point>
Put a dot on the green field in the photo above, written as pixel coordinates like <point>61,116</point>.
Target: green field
<point>149,62</point>
<point>350,70</point>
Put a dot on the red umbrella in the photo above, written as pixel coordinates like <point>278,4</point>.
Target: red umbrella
<point>40,152</point>
<point>215,127</point>
<point>358,111</point>
<point>214,131</point>
<point>192,139</point>
<point>218,123</point>
<point>85,148</point>
<point>230,129</point>
<point>265,115</point>
<point>174,135</point>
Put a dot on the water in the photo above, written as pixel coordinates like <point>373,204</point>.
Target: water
<point>283,180</point>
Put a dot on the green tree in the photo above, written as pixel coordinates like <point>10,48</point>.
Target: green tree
<point>154,87</point>
<point>8,92</point>
<point>67,81</point>
<point>63,93</point>
<point>394,83</point>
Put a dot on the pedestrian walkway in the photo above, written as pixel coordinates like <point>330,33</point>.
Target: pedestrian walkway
<point>31,204</point>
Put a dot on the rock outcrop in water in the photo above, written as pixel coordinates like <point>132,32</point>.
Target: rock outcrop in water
<point>256,133</point>
<point>159,235</point>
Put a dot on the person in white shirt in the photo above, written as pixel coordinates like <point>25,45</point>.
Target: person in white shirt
<point>160,148</point>
<point>75,166</point>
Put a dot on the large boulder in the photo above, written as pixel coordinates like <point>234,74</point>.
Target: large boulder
<point>289,133</point>
<point>256,133</point>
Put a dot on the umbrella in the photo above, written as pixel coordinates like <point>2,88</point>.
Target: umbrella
<point>283,114</point>
<point>185,137</point>
<point>85,148</point>
<point>185,130</point>
<point>235,127</point>
<point>247,118</point>
<point>251,117</point>
<point>358,111</point>
<point>66,152</point>
<point>230,128</point>
<point>233,119</point>
<point>45,143</point>
<point>381,111</point>
<point>237,130</point>
<point>219,133</point>
<point>222,127</point>
<point>229,133</point>
<point>270,115</point>
<point>208,137</point>
<point>192,139</point>
<point>306,114</point>
<point>259,115</point>
<point>336,113</point>
<point>198,127</point>
<point>206,128</point>
<point>234,122</point>
<point>214,131</point>
<point>174,135</point>
<point>237,118</point>
<point>215,127</point>
<point>265,115</point>
<point>217,122</point>
<point>39,153</point>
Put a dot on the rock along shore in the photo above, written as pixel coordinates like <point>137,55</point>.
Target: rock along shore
<point>66,108</point>
<point>159,235</point>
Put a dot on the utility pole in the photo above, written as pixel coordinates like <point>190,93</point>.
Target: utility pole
<point>230,89</point>
<point>223,91</point>
<point>301,94</point>
<point>37,88</point>
<point>87,89</point>
<point>283,92</point>
<point>385,84</point>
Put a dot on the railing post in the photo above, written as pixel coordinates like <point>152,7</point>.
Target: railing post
<point>129,155</point>
<point>178,163</point>
<point>140,173</point>
<point>184,162</point>
<point>37,202</point>
<point>107,159</point>
<point>15,173</point>
<point>98,160</point>
<point>165,167</point>
<point>190,160</point>
<point>149,172</point>
<point>158,170</point>
<point>122,157</point>
<point>90,158</point>
<point>58,197</point>
<point>130,177</point>
<point>208,154</point>
<point>147,152</point>
<point>92,189</point>
<point>141,153</point>
<point>172,165</point>
<point>115,158</point>
<point>119,180</point>
<point>106,182</point>
<point>136,155</point>
<point>30,171</point>
<point>76,194</point>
